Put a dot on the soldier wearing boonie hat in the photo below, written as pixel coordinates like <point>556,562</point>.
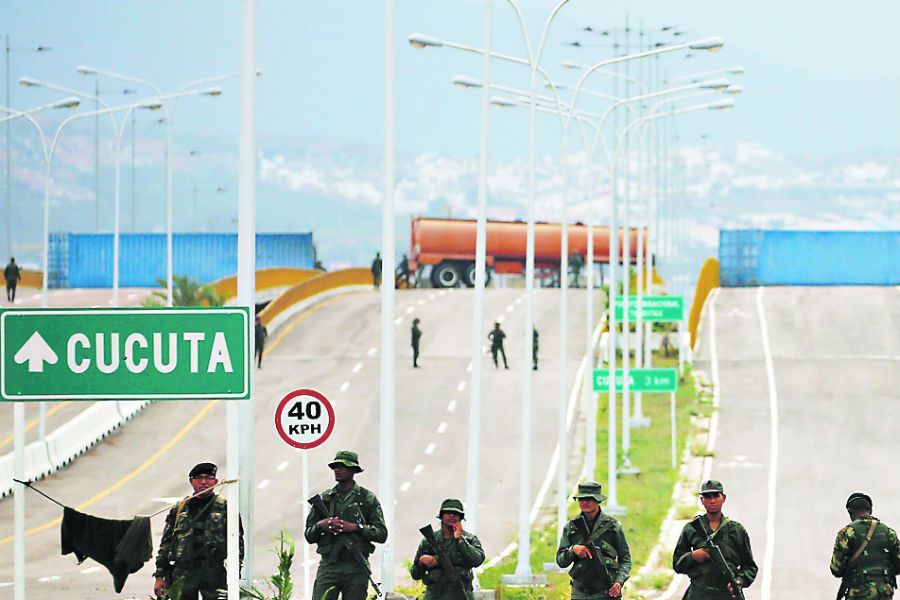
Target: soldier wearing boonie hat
<point>866,553</point>
<point>692,556</point>
<point>193,547</point>
<point>462,547</point>
<point>354,518</point>
<point>595,543</point>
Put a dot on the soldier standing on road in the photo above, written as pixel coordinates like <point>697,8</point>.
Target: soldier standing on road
<point>692,557</point>
<point>575,265</point>
<point>376,270</point>
<point>866,553</point>
<point>496,336</point>
<point>12,274</point>
<point>596,543</point>
<point>462,548</point>
<point>193,546</point>
<point>534,349</point>
<point>416,336</point>
<point>355,519</point>
<point>403,271</point>
<point>261,335</point>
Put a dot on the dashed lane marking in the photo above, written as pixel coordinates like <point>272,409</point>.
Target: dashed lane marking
<point>430,448</point>
<point>409,309</point>
<point>461,386</point>
<point>47,578</point>
<point>442,427</point>
<point>500,319</point>
<point>510,308</point>
<point>90,570</point>
<point>345,386</point>
<point>451,406</point>
<point>372,351</point>
<point>405,487</point>
<point>263,484</point>
<point>418,469</point>
<point>398,320</point>
<point>357,367</point>
<point>281,467</point>
<point>420,302</point>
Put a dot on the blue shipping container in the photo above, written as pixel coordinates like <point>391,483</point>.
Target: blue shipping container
<point>86,259</point>
<point>756,257</point>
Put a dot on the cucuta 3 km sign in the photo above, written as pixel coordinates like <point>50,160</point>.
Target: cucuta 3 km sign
<point>124,353</point>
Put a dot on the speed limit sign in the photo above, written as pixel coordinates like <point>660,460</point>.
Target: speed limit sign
<point>304,419</point>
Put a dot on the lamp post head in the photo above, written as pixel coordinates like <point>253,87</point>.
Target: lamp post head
<point>85,70</point>
<point>720,85</point>
<point>29,82</point>
<point>712,44</point>
<point>150,105</point>
<point>464,82</point>
<point>420,40</point>
<point>501,102</point>
<point>70,102</point>
<point>734,89</point>
<point>44,48</point>
<point>213,92</point>
<point>726,104</point>
<point>737,70</point>
<point>571,64</point>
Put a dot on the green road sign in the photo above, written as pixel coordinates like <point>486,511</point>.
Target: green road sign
<point>656,308</point>
<point>124,353</point>
<point>639,380</point>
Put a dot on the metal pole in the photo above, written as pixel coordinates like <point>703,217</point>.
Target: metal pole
<point>562,437</point>
<point>612,505</point>
<point>133,172</point>
<point>590,459</point>
<point>304,467</point>
<point>168,159</point>
<point>9,244</point>
<point>386,478</point>
<point>241,453</point>
<point>97,156</point>
<point>474,455</point>
<point>117,213</point>
<point>674,433</point>
<point>19,501</point>
<point>626,319</point>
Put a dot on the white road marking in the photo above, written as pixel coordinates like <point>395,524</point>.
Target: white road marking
<point>111,303</point>
<point>4,584</point>
<point>263,484</point>
<point>469,368</point>
<point>345,386</point>
<point>451,406</point>
<point>398,320</point>
<point>410,309</point>
<point>500,318</point>
<point>431,296</point>
<point>766,592</point>
<point>518,300</point>
<point>372,351</point>
<point>90,570</point>
<point>357,367</point>
<point>510,308</point>
<point>418,469</point>
<point>430,448</point>
<point>48,578</point>
<point>420,302</point>
<point>132,296</point>
<point>281,467</point>
<point>461,386</point>
<point>405,487</point>
<point>442,427</point>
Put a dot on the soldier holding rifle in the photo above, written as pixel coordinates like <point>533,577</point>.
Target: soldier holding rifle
<point>445,558</point>
<point>714,551</point>
<point>595,542</point>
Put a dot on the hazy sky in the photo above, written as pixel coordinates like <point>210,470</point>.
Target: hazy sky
<point>821,76</point>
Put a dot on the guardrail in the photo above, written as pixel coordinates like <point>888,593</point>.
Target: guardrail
<point>31,279</point>
<point>266,279</point>
<point>299,297</point>
<point>707,281</point>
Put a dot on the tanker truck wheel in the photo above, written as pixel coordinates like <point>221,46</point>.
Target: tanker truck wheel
<point>469,277</point>
<point>445,275</point>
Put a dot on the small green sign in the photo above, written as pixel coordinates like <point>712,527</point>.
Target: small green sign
<point>639,380</point>
<point>656,308</point>
<point>124,353</point>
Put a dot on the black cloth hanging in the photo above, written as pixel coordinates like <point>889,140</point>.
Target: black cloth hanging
<point>123,547</point>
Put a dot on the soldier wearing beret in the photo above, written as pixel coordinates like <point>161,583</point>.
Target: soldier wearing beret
<point>692,556</point>
<point>866,553</point>
<point>595,543</point>
<point>462,549</point>
<point>193,547</point>
<point>354,520</point>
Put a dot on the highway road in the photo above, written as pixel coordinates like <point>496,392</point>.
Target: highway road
<point>58,412</point>
<point>810,399</point>
<point>334,348</point>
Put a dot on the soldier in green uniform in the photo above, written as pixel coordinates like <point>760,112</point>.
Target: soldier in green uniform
<point>595,542</point>
<point>576,263</point>
<point>692,557</point>
<point>415,337</point>
<point>355,519</point>
<point>193,546</point>
<point>866,553</point>
<point>462,548</point>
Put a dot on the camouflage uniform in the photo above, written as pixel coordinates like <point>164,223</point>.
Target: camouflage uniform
<point>707,580</point>
<point>465,554</point>
<point>868,568</point>
<point>338,572</point>
<point>589,581</point>
<point>194,547</point>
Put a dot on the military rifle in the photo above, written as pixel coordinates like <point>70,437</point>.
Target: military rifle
<point>842,591</point>
<point>715,553</point>
<point>319,504</point>
<point>595,550</point>
<point>428,533</point>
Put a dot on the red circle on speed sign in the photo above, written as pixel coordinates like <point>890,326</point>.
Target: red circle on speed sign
<point>304,419</point>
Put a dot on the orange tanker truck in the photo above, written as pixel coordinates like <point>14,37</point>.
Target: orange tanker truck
<point>447,246</point>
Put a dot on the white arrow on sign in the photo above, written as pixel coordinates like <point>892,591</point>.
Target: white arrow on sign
<point>36,351</point>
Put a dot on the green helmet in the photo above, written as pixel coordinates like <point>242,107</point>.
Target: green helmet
<point>452,505</point>
<point>590,489</point>
<point>347,458</point>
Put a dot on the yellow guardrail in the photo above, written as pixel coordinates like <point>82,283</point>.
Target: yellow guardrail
<point>32,279</point>
<point>707,281</point>
<point>316,285</point>
<point>266,279</point>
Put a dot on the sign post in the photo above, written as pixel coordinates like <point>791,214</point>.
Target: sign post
<point>304,419</point>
